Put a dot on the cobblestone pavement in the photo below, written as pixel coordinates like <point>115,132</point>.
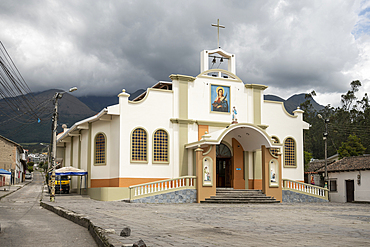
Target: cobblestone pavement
<point>315,224</point>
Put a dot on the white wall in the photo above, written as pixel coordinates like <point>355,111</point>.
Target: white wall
<point>101,172</point>
<point>152,113</point>
<point>283,125</point>
<point>362,191</point>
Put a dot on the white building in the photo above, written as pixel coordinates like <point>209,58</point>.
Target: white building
<point>154,137</point>
<point>349,179</point>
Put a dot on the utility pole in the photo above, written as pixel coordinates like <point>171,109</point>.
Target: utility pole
<point>53,165</point>
<point>325,137</point>
<point>55,126</point>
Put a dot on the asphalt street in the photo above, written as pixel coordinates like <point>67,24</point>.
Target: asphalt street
<point>25,223</point>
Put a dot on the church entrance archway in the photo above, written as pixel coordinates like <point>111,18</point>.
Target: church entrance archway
<point>223,166</point>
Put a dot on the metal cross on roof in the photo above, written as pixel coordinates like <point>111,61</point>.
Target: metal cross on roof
<point>218,31</point>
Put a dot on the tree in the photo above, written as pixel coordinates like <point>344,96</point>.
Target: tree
<point>30,168</point>
<point>351,118</point>
<point>45,166</point>
<point>307,159</point>
<point>352,147</point>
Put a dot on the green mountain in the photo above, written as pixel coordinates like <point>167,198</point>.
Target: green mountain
<point>97,103</point>
<point>22,127</point>
<point>293,102</point>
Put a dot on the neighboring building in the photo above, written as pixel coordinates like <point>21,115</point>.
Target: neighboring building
<point>311,174</point>
<point>349,179</point>
<point>12,158</point>
<point>157,135</point>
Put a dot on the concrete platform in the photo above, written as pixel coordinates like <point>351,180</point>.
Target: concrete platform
<point>282,224</point>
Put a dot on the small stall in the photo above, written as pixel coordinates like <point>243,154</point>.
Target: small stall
<point>72,171</point>
<point>3,175</point>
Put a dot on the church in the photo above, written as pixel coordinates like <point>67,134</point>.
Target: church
<point>195,133</point>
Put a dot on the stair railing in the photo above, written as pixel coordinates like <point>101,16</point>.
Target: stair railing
<point>304,188</point>
<point>162,186</point>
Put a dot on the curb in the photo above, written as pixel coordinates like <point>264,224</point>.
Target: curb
<point>96,232</point>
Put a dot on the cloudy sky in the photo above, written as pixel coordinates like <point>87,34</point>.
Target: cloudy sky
<point>103,46</point>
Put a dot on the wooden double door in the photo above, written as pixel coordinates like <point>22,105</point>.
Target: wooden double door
<point>223,172</point>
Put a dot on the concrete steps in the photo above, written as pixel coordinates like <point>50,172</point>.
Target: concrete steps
<point>226,195</point>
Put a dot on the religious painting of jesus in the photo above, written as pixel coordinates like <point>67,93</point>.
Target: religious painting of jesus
<point>220,98</point>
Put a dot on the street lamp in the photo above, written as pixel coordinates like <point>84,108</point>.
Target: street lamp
<point>325,137</point>
<point>57,96</point>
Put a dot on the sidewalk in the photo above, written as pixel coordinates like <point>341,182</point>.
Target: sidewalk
<point>6,190</point>
<point>311,224</point>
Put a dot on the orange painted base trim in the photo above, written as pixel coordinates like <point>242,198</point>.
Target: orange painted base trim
<point>121,182</point>
<point>255,184</point>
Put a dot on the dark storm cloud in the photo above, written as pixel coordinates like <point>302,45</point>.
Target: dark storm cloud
<point>104,46</point>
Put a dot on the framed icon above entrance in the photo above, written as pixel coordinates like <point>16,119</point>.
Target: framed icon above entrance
<point>220,98</point>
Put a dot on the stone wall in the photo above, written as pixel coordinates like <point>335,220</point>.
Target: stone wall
<point>180,196</point>
<point>291,196</point>
<point>7,155</point>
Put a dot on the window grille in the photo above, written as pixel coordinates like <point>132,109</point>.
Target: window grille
<point>160,146</point>
<point>333,185</point>
<point>139,145</point>
<point>275,151</point>
<point>289,152</point>
<point>99,149</point>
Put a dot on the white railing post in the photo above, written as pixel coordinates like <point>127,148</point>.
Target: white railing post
<point>142,190</point>
<point>306,188</point>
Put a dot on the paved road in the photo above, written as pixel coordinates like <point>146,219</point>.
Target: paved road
<point>24,223</point>
<point>301,224</point>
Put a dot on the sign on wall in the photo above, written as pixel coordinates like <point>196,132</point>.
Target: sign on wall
<point>220,98</point>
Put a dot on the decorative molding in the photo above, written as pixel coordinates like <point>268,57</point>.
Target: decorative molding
<point>263,126</point>
<point>185,78</point>
<point>255,86</point>
<point>182,121</point>
<point>208,151</point>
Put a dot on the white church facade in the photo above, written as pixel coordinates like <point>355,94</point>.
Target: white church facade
<point>244,141</point>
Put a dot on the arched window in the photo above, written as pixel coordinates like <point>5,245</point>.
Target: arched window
<point>289,153</point>
<point>160,146</point>
<point>222,151</point>
<point>139,145</point>
<point>100,149</point>
<point>275,151</point>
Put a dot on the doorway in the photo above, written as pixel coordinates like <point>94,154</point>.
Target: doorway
<point>223,166</point>
<point>350,190</point>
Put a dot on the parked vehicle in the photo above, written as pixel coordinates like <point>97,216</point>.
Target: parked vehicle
<point>28,175</point>
<point>61,184</point>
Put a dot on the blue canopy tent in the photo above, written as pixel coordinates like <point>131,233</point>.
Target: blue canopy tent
<point>5,172</point>
<point>72,171</point>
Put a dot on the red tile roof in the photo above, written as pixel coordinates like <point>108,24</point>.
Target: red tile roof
<point>353,163</point>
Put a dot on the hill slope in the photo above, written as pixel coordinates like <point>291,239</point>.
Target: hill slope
<point>25,129</point>
<point>98,103</point>
<point>293,102</point>
<point>72,109</point>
